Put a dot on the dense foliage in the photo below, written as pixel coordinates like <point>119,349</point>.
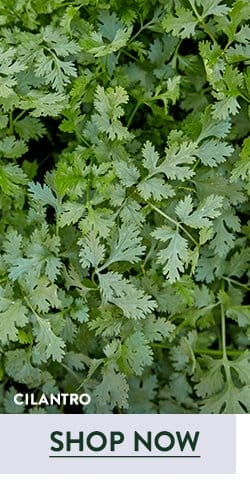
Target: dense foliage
<point>124,184</point>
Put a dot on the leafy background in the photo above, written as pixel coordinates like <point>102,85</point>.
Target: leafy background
<point>124,185</point>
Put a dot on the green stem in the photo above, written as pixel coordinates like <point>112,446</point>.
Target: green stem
<point>174,60</point>
<point>92,371</point>
<point>30,305</point>
<point>131,117</point>
<point>57,226</point>
<point>232,281</point>
<point>38,317</point>
<point>125,52</point>
<point>200,351</point>
<point>93,279</point>
<point>174,222</point>
<point>20,115</point>
<point>217,352</point>
<point>77,378</point>
<point>202,22</point>
<point>184,188</point>
<point>224,346</point>
<point>226,47</point>
<point>195,165</point>
<point>223,332</point>
<point>11,123</point>
<point>241,95</point>
<point>145,26</point>
<point>84,141</point>
<point>81,138</point>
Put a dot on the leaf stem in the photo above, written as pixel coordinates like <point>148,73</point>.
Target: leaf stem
<point>125,52</point>
<point>30,305</point>
<point>223,344</point>
<point>174,59</point>
<point>77,378</point>
<point>11,129</point>
<point>217,352</point>
<point>20,115</point>
<point>81,138</point>
<point>241,95</point>
<point>143,26</point>
<point>131,117</point>
<point>174,222</point>
<point>223,331</point>
<point>201,21</point>
<point>232,281</point>
<point>200,350</point>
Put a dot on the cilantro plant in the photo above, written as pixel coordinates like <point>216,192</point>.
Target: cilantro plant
<point>124,195</point>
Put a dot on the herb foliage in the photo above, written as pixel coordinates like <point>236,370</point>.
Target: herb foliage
<point>124,195</point>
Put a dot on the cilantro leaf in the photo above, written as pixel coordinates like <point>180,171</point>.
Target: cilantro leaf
<point>175,255</point>
<point>133,302</point>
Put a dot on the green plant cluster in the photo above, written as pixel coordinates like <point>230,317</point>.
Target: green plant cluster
<point>124,197</point>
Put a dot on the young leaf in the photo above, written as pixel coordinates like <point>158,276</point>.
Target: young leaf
<point>113,389</point>
<point>133,302</point>
<point>175,255</point>
<point>126,246</point>
<point>136,353</point>
<point>202,216</point>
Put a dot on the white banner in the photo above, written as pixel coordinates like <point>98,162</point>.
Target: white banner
<point>105,443</point>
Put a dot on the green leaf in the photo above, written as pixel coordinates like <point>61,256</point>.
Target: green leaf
<point>232,401</point>
<point>13,315</point>
<point>241,314</point>
<point>136,353</point>
<point>223,239</point>
<point>48,345</point>
<point>226,106</point>
<point>128,174</point>
<point>133,302</point>
<point>11,179</point>
<point>9,404</point>
<point>175,255</point>
<point>92,251</point>
<point>75,361</point>
<point>182,24</point>
<point>155,188</point>
<point>81,311</point>
<point>242,367</point>
<point>212,380</point>
<point>98,220</point>
<point>212,7</point>
<point>202,216</point>
<point>71,213</point>
<point>213,128</point>
<point>109,111</point>
<point>18,366</point>
<point>142,392</point>
<point>150,157</point>
<point>107,324</point>
<point>175,156</point>
<point>44,104</point>
<point>12,148</point>
<point>42,194</point>
<point>214,152</point>
<point>113,389</point>
<point>30,128</point>
<point>99,48</point>
<point>125,246</point>
<point>157,329</point>
<point>242,169</point>
<point>49,64</point>
<point>44,295</point>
